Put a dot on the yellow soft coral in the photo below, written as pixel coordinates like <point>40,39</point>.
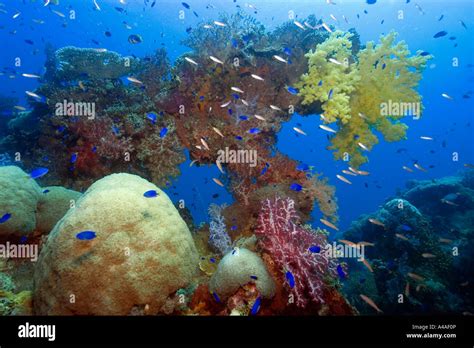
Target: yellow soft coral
<point>381,74</point>
<point>325,76</point>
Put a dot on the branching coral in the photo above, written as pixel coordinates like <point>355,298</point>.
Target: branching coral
<point>218,237</point>
<point>353,92</point>
<point>288,244</point>
<point>161,156</point>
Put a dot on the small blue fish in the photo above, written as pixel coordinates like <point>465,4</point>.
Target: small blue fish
<point>152,117</point>
<point>340,272</point>
<point>320,83</point>
<point>440,34</point>
<point>94,149</point>
<point>371,2</point>
<point>293,90</point>
<point>5,218</point>
<point>74,158</point>
<point>287,51</point>
<point>86,235</point>
<point>244,117</point>
<point>315,249</point>
<point>290,279</point>
<point>233,228</point>
<point>163,132</point>
<point>46,191</point>
<point>330,94</point>
<point>238,137</point>
<point>424,54</point>
<point>115,130</point>
<point>254,130</point>
<point>256,306</point>
<point>186,5</point>
<point>216,297</point>
<point>406,228</point>
<point>213,260</point>
<point>264,170</point>
<point>296,187</point>
<point>229,111</point>
<point>38,173</point>
<point>253,277</point>
<point>150,194</point>
<point>302,167</point>
<point>234,43</point>
<point>235,95</point>
<point>201,98</point>
<point>23,240</point>
<point>383,66</point>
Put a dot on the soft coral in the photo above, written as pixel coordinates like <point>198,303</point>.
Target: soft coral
<point>288,244</point>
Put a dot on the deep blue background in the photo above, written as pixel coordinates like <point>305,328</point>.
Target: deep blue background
<point>160,26</point>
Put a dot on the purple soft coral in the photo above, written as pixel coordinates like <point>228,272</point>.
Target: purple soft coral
<point>292,248</point>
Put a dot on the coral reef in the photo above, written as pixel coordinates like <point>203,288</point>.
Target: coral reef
<point>237,268</point>
<point>219,239</point>
<point>53,204</point>
<point>73,63</point>
<point>353,89</point>
<point>289,246</point>
<point>141,252</point>
<point>5,160</point>
<point>423,250</point>
<point>19,195</point>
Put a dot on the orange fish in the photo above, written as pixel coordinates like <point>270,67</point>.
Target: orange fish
<point>328,224</point>
<point>376,222</point>
<point>416,277</point>
<point>218,182</point>
<point>401,236</point>
<point>347,242</point>
<point>370,302</point>
<point>367,264</point>
<point>218,164</point>
<point>366,244</point>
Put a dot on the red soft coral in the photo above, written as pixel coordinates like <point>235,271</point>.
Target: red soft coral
<point>289,246</point>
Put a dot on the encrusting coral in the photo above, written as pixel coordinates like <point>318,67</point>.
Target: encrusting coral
<point>353,90</point>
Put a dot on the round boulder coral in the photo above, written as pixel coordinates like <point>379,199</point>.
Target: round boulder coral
<point>123,247</point>
<point>19,195</point>
<point>237,268</point>
<point>55,201</point>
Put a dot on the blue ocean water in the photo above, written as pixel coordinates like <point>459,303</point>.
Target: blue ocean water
<point>448,122</point>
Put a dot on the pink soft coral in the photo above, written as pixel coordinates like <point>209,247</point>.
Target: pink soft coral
<point>289,245</point>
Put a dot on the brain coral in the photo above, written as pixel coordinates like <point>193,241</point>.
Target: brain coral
<point>19,196</point>
<point>237,268</point>
<point>55,201</point>
<point>142,252</point>
<point>353,90</point>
